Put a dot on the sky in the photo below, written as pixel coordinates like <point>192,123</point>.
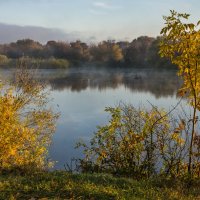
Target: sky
<point>96,19</point>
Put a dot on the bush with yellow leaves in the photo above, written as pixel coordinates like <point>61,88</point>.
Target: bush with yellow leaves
<point>26,124</point>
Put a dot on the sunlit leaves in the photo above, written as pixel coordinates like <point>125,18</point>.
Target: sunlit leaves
<point>181,44</point>
<point>26,125</point>
<point>129,143</point>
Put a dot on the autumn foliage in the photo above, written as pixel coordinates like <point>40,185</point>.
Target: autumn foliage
<point>142,143</point>
<point>181,44</point>
<point>26,124</point>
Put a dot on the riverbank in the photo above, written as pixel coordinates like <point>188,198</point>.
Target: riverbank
<point>49,63</point>
<point>58,63</point>
<point>63,185</point>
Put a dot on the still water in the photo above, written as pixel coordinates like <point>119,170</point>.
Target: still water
<point>81,95</point>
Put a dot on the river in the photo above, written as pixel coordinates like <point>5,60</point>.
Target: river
<point>81,95</point>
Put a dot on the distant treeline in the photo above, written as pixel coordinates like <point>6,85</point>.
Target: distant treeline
<point>142,51</point>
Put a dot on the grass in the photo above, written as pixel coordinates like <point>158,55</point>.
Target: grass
<point>63,185</point>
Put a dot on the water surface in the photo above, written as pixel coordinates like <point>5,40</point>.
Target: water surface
<point>81,95</point>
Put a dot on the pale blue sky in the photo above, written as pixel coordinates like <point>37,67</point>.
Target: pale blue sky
<point>118,19</point>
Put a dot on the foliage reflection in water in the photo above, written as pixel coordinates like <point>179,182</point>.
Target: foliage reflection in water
<point>81,95</point>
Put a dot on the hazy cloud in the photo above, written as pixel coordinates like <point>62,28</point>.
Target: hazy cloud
<point>105,6</point>
<point>102,5</point>
<point>102,8</point>
<point>11,33</point>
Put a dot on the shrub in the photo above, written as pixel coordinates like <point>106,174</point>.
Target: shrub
<point>138,143</point>
<point>127,144</point>
<point>26,124</point>
<point>54,63</point>
<point>3,60</point>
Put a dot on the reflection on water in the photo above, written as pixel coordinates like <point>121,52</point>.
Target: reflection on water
<point>157,82</point>
<point>82,94</point>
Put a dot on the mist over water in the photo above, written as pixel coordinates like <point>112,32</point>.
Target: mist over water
<point>81,95</point>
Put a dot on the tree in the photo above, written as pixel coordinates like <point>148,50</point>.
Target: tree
<point>26,47</point>
<point>153,57</point>
<point>79,52</point>
<point>137,52</point>
<point>56,49</point>
<point>181,43</point>
<point>107,51</point>
<point>26,124</point>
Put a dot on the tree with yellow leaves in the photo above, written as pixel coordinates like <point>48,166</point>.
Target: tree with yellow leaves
<point>26,124</point>
<point>181,44</point>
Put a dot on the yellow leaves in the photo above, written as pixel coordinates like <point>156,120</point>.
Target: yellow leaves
<point>117,53</point>
<point>124,142</point>
<point>176,137</point>
<point>25,130</point>
<point>186,70</point>
<point>103,154</point>
<point>182,124</point>
<point>12,152</point>
<point>182,46</point>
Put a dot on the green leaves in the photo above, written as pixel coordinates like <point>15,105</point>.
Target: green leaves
<point>123,144</point>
